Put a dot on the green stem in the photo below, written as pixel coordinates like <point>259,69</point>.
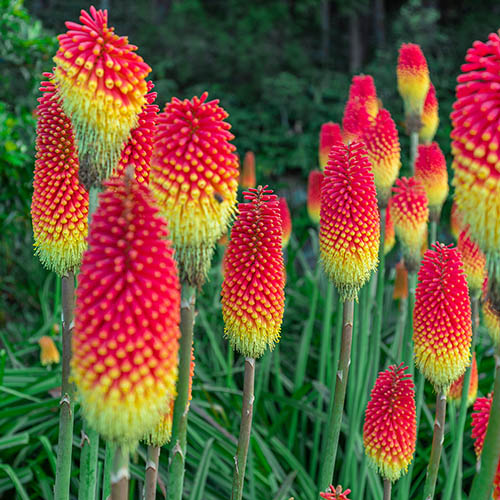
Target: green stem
<point>65,441</point>
<point>106,475</point>
<point>335,418</point>
<point>408,334</point>
<point>151,472</point>
<point>437,446</point>
<point>240,460</point>
<point>88,463</point>
<point>181,407</point>
<point>413,150</point>
<point>120,475</point>
<point>387,489</point>
<point>432,232</point>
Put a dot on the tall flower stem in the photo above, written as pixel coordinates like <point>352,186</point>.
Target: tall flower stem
<point>151,472</point>
<point>65,441</point>
<point>106,475</point>
<point>432,232</point>
<point>483,480</point>
<point>337,406</point>
<point>120,475</point>
<point>88,463</point>
<point>408,332</point>
<point>181,407</point>
<point>413,149</point>
<point>437,446</point>
<point>387,489</point>
<point>240,460</point>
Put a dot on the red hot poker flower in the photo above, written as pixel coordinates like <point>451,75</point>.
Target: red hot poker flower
<point>390,235</point>
<point>335,493</point>
<point>430,116</point>
<point>330,134</point>
<point>455,391</point>
<point>456,221</point>
<point>286,221</point>
<point>247,175</point>
<point>314,194</point>
<point>474,262</point>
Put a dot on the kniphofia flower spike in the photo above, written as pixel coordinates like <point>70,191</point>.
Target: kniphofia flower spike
<point>474,262</point>
<point>329,134</point>
<point>247,175</point>
<point>455,391</point>
<point>314,194</point>
<point>335,493</point>
<point>430,117</point>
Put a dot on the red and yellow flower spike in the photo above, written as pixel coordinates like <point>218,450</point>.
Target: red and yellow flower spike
<point>410,213</point>
<point>60,203</point>
<point>456,221</point>
<point>491,321</point>
<point>390,428</point>
<point>314,194</point>
<point>139,148</point>
<point>194,177</point>
<point>455,391</point>
<point>442,329</point>
<point>335,493</point>
<point>474,262</point>
<point>383,149</point>
<point>127,314</point>
<point>247,174</point>
<point>430,117</point>
<point>413,78</point>
<point>253,297</point>
<point>48,351</point>
<point>363,91</point>
<point>103,85</point>
<point>329,134</point>
<point>349,235</point>
<point>390,234</point>
<point>430,170</point>
<point>286,221</point>
<point>480,419</point>
<point>400,282</point>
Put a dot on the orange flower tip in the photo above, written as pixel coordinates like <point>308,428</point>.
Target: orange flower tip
<point>314,195</point>
<point>286,221</point>
<point>410,213</point>
<point>59,206</point>
<point>247,175</point>
<point>430,117</point>
<point>430,170</point>
<point>194,177</point>
<point>103,85</point>
<point>442,330</point>
<point>349,233</point>
<point>329,134</point>
<point>253,297</point>
<point>125,339</point>
<point>390,428</point>
<point>456,221</point>
<point>401,282</point>
<point>413,78</point>
<point>335,493</point>
<point>390,235</point>
<point>455,390</point>
<point>475,143</point>
<point>48,351</point>
<point>474,262</point>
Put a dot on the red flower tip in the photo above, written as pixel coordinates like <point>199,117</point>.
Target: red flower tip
<point>247,174</point>
<point>363,90</point>
<point>430,116</point>
<point>455,390</point>
<point>349,233</point>
<point>330,134</point>
<point>253,297</point>
<point>60,203</point>
<point>335,493</point>
<point>125,340</point>
<point>390,428</point>
<point>442,330</point>
<point>314,194</point>
<point>194,176</point>
<point>286,221</point>
<point>390,235</point>
<point>474,262</point>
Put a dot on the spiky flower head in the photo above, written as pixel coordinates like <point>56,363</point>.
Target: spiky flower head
<point>442,329</point>
<point>430,117</point>
<point>103,85</point>
<point>390,428</point>
<point>59,206</point>
<point>194,176</point>
<point>363,91</point>
<point>335,493</point>
<point>349,235</point>
<point>390,235</point>
<point>125,340</point>
<point>48,351</point>
<point>413,79</point>
<point>474,262</point>
<point>456,221</point>
<point>410,213</point>
<point>286,221</point>
<point>400,282</point>
<point>430,170</point>
<point>329,134</point>
<point>383,149</point>
<point>247,175</point>
<point>314,194</point>
<point>455,390</point>
<point>253,297</point>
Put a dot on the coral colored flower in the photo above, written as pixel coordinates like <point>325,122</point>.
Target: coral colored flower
<point>401,282</point>
<point>480,419</point>
<point>139,148</point>
<point>194,176</point>
<point>413,78</point>
<point>382,146</point>
<point>410,213</point>
<point>363,91</point>
<point>103,85</point>
<point>390,428</point>
<point>329,134</point>
<point>430,117</point>
<point>125,340</point>
<point>314,194</point>
<point>286,221</point>
<point>59,205</point>
<point>474,262</point>
<point>476,139</point>
<point>455,391</point>
<point>335,493</point>
<point>349,233</point>
<point>48,351</point>
<point>390,235</point>
<point>442,329</point>
<point>247,175</point>
<point>253,297</point>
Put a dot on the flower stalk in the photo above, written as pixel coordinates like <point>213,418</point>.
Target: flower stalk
<point>151,472</point>
<point>88,463</point>
<point>387,489</point>
<point>120,475</point>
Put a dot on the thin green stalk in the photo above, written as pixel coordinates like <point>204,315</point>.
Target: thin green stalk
<point>413,150</point>
<point>181,406</point>
<point>120,475</point>
<point>151,472</point>
<point>240,460</point>
<point>65,440</point>
<point>335,418</point>
<point>437,446</point>
<point>387,489</point>
<point>408,334</point>
<point>106,475</point>
<point>400,328</point>
<point>88,463</point>
<point>483,480</point>
<point>432,232</point>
